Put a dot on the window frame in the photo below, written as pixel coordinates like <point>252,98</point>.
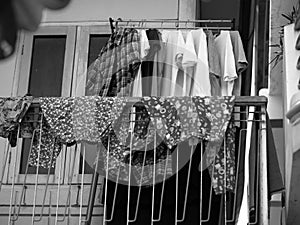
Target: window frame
<point>21,88</point>
<point>80,68</point>
<point>73,84</point>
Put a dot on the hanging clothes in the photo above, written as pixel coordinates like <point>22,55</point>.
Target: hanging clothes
<point>214,65</point>
<point>45,147</point>
<point>12,111</point>
<point>189,62</point>
<point>221,161</point>
<point>228,68</point>
<point>241,62</point>
<point>117,65</point>
<point>158,67</point>
<point>144,47</point>
<point>200,80</point>
<point>174,51</point>
<point>148,63</point>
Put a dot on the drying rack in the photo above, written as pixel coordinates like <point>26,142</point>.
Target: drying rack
<point>172,24</point>
<point>250,109</point>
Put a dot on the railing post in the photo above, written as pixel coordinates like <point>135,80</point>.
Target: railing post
<point>263,176</point>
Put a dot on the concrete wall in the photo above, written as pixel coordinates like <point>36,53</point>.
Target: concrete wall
<point>97,10</point>
<point>290,80</point>
<point>278,7</point>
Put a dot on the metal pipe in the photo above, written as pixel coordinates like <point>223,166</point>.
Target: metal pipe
<point>93,190</point>
<point>263,169</point>
<point>186,187</point>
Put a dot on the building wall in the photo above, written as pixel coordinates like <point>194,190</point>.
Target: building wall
<point>290,81</point>
<point>278,7</point>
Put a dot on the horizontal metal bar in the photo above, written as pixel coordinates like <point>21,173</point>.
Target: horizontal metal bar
<point>47,205</point>
<point>46,214</point>
<point>50,184</point>
<point>181,28</point>
<point>251,100</point>
<point>239,100</point>
<point>171,21</point>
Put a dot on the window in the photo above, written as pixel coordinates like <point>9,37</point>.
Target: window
<point>53,62</point>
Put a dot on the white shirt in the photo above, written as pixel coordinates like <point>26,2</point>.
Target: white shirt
<point>144,46</point>
<point>174,51</point>
<point>228,68</point>
<point>196,54</point>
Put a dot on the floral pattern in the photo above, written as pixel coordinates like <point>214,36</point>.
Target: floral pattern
<point>45,147</point>
<point>141,133</point>
<point>221,159</point>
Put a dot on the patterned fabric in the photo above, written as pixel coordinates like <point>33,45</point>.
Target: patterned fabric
<point>115,68</point>
<point>157,163</point>
<point>92,115</point>
<point>45,148</point>
<point>223,168</point>
<point>69,120</point>
<point>120,141</point>
<point>168,121</point>
<point>174,119</point>
<point>12,110</point>
<point>165,119</point>
<point>216,110</point>
<point>58,114</point>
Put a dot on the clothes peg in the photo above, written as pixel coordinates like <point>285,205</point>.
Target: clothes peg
<point>118,20</point>
<point>111,22</point>
<point>177,24</point>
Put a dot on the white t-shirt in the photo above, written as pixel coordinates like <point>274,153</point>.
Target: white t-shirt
<point>228,68</point>
<point>189,62</point>
<point>144,46</point>
<point>197,54</point>
<point>174,51</point>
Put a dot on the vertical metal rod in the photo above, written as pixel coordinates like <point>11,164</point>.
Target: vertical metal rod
<point>257,183</point>
<point>225,181</point>
<point>4,162</point>
<point>177,183</point>
<point>50,206</point>
<point>263,192</point>
<point>141,183</point>
<point>115,196</point>
<point>129,177</point>
<point>187,187</point>
<point>68,202</point>
<point>37,172</point>
<point>163,191</point>
<point>93,190</point>
<point>210,195</point>
<point>106,181</point>
<point>153,180</point>
<point>237,177</point>
<point>82,186</point>
<point>201,182</point>
<point>25,178</point>
<point>15,203</point>
<point>46,188</point>
<point>12,193</point>
<point>58,193</point>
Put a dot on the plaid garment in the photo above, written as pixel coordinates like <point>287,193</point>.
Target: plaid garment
<point>115,68</point>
